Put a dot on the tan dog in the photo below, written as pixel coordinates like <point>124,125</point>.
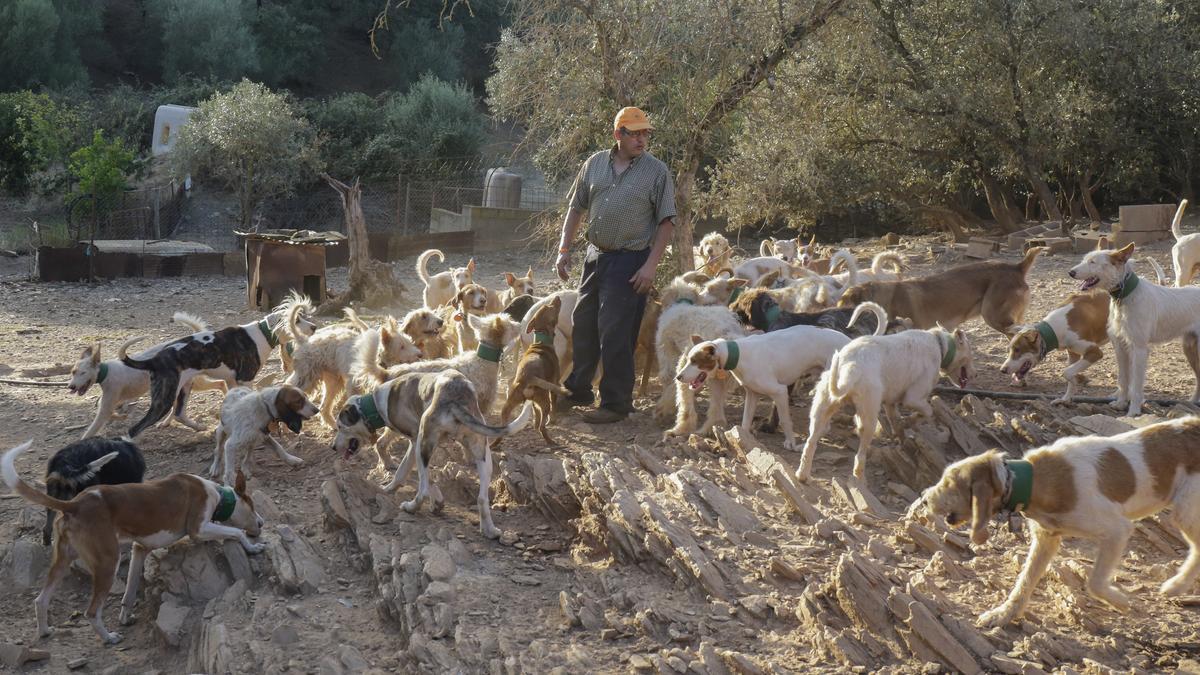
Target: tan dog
<point>428,331</point>
<point>471,299</point>
<point>537,373</point>
<point>645,341</point>
<point>1089,486</point>
<point>154,515</point>
<point>517,286</point>
<point>994,290</point>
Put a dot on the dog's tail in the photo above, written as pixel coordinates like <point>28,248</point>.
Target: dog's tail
<point>353,318</point>
<point>1158,270</point>
<point>845,257</point>
<point>887,258</point>
<point>190,321</point>
<point>880,313</point>
<point>467,419</point>
<point>366,361</point>
<point>766,248</point>
<point>1030,256</point>
<point>14,482</point>
<point>423,260</point>
<point>293,317</point>
<point>1178,220</point>
<point>126,345</point>
<point>548,386</point>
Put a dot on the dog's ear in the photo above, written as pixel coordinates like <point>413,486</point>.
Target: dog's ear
<point>510,279</point>
<point>1122,255</point>
<point>94,348</point>
<point>813,241</point>
<point>1102,243</point>
<point>738,283</point>
<point>983,497</point>
<point>471,265</point>
<point>529,273</point>
<point>239,483</point>
<point>696,339</point>
<point>768,280</point>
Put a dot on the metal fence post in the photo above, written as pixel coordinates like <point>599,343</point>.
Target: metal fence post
<point>157,207</point>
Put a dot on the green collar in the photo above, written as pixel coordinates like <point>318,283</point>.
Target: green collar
<point>685,301</point>
<point>1049,337</point>
<point>489,353</point>
<point>737,293</point>
<point>732,354</point>
<point>290,348</point>
<point>541,337</point>
<point>370,411</point>
<point>1020,488</point>
<point>268,333</point>
<point>227,504</point>
<point>951,350</point>
<point>1129,283</point>
<point>772,315</point>
<point>103,373</point>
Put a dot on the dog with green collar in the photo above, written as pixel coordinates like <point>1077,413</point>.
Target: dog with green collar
<point>426,407</point>
<point>884,371</point>
<point>1093,487</point>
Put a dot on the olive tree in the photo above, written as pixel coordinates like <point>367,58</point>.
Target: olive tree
<point>250,140</point>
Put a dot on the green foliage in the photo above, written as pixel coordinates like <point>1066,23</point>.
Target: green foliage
<point>435,119</point>
<point>127,112</point>
<point>35,135</point>
<point>419,48</point>
<point>250,139</point>
<point>287,46</point>
<point>207,38</point>
<point>347,124</point>
<point>102,167</point>
<point>40,41</point>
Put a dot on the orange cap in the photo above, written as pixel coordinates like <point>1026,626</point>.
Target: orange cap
<point>632,119</point>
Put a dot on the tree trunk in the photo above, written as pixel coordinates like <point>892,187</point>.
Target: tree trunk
<point>682,238</point>
<point>1030,207</point>
<point>371,282</point>
<point>1044,194</point>
<point>949,218</point>
<point>1002,211</point>
<point>1085,191</point>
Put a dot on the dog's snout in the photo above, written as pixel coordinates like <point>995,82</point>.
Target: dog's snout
<point>1071,274</point>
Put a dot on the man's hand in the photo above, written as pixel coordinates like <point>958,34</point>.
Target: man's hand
<point>563,265</point>
<point>643,281</point>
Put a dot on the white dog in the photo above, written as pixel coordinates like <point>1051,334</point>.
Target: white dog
<point>713,254</point>
<point>1141,314</point>
<point>682,317</point>
<point>245,416</point>
<point>1185,254</point>
<point>787,250</point>
<point>883,370</point>
<point>442,287</point>
<point>755,362</point>
<point>1092,487</point>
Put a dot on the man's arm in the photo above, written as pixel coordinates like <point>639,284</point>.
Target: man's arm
<point>643,280</point>
<point>570,228</point>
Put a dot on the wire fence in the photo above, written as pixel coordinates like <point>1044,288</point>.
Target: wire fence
<point>205,214</point>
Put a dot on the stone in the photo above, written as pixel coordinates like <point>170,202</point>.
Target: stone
<point>211,651</point>
<point>284,634</point>
<point>298,567</point>
<point>76,664</point>
<point>438,565</point>
<point>459,552</point>
<point>25,563</point>
<point>171,621</point>
<point>239,562</point>
<point>15,656</point>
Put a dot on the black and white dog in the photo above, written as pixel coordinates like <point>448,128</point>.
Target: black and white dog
<point>236,354</point>
<point>91,461</point>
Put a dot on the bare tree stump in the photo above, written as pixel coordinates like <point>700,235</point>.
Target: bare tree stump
<point>371,281</point>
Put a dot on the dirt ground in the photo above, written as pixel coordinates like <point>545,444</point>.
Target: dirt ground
<point>579,583</point>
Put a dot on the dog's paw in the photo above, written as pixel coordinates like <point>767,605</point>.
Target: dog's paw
<point>1113,596</point>
<point>1118,404</point>
<point>1061,401</point>
<point>46,633</point>
<point>127,618</point>
<point>409,506</point>
<point>294,461</point>
<point>255,547</point>
<point>112,638</point>
<point>997,617</point>
<point>489,531</point>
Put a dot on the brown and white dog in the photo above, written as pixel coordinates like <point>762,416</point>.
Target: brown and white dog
<point>517,286</point>
<point>246,415</point>
<point>538,377</point>
<point>153,515</point>
<point>443,286</point>
<point>471,299</point>
<point>1089,486</point>
<point>994,290</point>
<point>1139,315</point>
<point>428,331</point>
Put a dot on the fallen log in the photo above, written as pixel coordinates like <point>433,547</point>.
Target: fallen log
<point>33,383</point>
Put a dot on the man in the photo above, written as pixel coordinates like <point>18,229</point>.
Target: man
<point>629,197</point>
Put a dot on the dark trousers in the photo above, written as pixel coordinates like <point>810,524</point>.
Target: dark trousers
<point>607,318</point>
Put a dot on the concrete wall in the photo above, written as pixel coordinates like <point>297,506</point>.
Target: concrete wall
<point>498,228</point>
<point>442,220</point>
